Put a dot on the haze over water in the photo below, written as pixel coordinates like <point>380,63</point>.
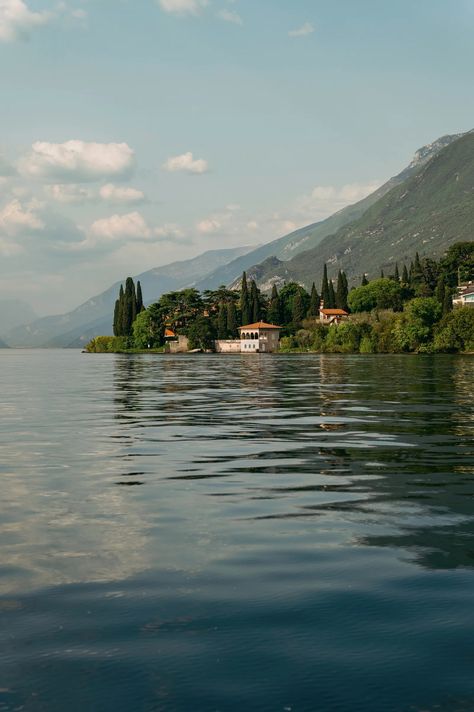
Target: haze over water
<point>208,533</point>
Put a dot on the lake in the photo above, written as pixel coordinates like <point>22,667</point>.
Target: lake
<point>220,533</point>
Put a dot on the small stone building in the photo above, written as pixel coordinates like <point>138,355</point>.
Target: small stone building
<point>259,338</point>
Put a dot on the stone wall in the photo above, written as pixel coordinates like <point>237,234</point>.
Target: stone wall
<point>227,346</point>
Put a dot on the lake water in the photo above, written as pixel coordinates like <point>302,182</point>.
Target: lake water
<point>220,533</point>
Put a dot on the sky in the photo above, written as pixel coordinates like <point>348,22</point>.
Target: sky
<point>139,132</point>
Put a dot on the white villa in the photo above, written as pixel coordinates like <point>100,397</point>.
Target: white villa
<point>254,338</point>
<point>465,295</point>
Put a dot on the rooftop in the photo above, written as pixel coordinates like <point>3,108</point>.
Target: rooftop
<point>260,325</point>
<point>334,312</point>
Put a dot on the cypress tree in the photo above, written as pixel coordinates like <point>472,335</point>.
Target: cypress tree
<point>297,309</point>
<point>222,322</point>
<point>332,296</point>
<point>382,276</point>
<point>129,311</point>
<point>116,318</point>
<point>313,310</point>
<point>341,291</point>
<point>231,320</point>
<point>274,309</point>
<point>325,288</point>
<point>365,281</point>
<point>254,302</point>
<point>405,277</point>
<point>440,290</point>
<point>416,272</point>
<point>396,276</point>
<point>245,301</point>
<point>140,306</point>
<point>447,302</point>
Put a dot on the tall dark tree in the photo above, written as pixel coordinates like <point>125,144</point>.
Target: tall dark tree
<point>440,290</point>
<point>140,306</point>
<point>129,311</point>
<point>416,272</point>
<point>255,313</point>
<point>231,320</point>
<point>298,309</point>
<point>325,288</point>
<point>396,275</point>
<point>116,318</point>
<point>365,281</point>
<point>405,277</point>
<point>332,296</point>
<point>313,310</point>
<point>274,308</point>
<point>382,275</point>
<point>245,301</point>
<point>222,321</point>
<point>447,302</point>
<point>341,291</point>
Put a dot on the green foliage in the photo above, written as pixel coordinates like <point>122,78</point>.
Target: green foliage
<point>107,344</point>
<point>231,320</point>
<point>325,288</point>
<point>274,308</point>
<point>245,302</point>
<point>342,291</point>
<point>287,297</point>
<point>314,301</point>
<point>415,327</point>
<point>379,294</point>
<point>147,329</point>
<point>456,331</point>
<point>222,322</point>
<point>201,334</point>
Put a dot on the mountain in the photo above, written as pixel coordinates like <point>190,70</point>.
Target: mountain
<point>95,315</point>
<point>431,209</point>
<point>287,247</point>
<point>3,345</point>
<point>14,312</point>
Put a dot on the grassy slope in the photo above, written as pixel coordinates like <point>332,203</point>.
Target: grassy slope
<point>428,212</point>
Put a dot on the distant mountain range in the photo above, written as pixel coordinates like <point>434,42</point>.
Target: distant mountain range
<point>425,208</point>
<point>431,208</point>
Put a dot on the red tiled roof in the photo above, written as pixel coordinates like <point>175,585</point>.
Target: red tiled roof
<point>169,333</point>
<point>334,312</point>
<point>260,325</point>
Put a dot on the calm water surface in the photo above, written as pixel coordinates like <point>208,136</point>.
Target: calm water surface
<point>212,533</point>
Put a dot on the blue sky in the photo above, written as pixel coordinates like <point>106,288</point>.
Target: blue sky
<point>137,132</point>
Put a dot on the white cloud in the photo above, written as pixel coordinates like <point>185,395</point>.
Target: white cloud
<point>121,227</point>
<point>16,19</point>
<point>324,200</point>
<point>230,16</point>
<point>169,232</point>
<point>303,31</point>
<point>121,194</point>
<point>208,226</point>
<point>77,161</point>
<point>16,217</point>
<point>186,163</point>
<point>69,193</point>
<point>183,7</point>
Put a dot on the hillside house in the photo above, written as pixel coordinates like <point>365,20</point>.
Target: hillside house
<point>465,295</point>
<point>332,316</point>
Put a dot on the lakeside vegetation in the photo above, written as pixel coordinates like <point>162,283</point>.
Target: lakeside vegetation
<point>407,311</point>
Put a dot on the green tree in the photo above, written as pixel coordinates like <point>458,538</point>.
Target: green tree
<point>456,331</point>
<point>274,309</point>
<point>201,334</point>
<point>414,330</point>
<point>245,301</point>
<point>405,277</point>
<point>313,309</point>
<point>365,281</point>
<point>287,295</point>
<point>378,294</point>
<point>129,308</point>
<point>222,322</point>
<point>298,311</point>
<point>341,292</point>
<point>231,320</point>
<point>139,306</point>
<point>458,263</point>
<point>396,275</point>
<point>325,288</point>
<point>332,296</point>
<point>255,312</point>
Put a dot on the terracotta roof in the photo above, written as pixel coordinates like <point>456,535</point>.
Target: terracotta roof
<point>169,333</point>
<point>334,312</point>
<point>260,325</point>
